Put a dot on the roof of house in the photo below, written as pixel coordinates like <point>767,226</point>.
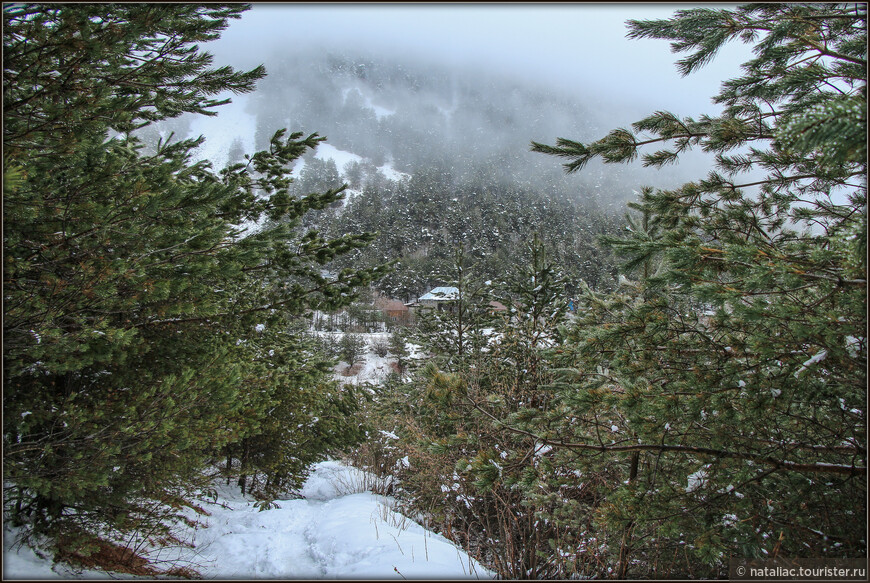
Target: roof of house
<point>387,304</point>
<point>441,294</point>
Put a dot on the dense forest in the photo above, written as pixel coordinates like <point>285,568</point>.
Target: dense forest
<point>421,221</point>
<point>675,374</point>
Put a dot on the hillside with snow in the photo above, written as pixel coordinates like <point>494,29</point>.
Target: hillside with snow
<point>335,529</point>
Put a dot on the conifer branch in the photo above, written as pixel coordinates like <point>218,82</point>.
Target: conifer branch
<point>821,468</point>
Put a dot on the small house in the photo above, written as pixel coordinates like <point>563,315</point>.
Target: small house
<point>439,298</point>
<point>395,310</point>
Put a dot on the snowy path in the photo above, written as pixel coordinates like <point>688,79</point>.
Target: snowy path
<point>337,531</point>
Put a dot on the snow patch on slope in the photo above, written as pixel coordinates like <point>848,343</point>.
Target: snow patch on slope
<point>380,112</point>
<point>342,158</point>
<point>391,173</point>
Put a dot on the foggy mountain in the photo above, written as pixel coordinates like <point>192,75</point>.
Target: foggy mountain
<point>415,114</point>
<point>435,157</point>
<point>412,113</point>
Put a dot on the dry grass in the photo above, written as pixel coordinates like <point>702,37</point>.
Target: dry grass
<point>113,558</point>
<point>351,371</point>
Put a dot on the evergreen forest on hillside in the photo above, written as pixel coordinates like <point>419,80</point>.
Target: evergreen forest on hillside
<point>421,221</point>
<point>625,379</point>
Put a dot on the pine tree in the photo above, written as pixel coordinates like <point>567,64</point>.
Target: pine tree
<point>739,364</point>
<point>309,416</point>
<point>398,348</point>
<point>513,387</point>
<point>352,347</point>
<point>535,296</point>
<point>455,334</point>
<point>236,152</point>
<point>454,431</point>
<point>137,285</point>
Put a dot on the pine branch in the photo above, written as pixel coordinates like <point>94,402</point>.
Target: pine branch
<point>820,468</point>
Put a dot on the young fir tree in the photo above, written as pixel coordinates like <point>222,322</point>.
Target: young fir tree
<point>513,387</point>
<point>537,305</point>
<point>352,347</point>
<point>309,414</point>
<point>141,289</point>
<point>398,349</point>
<point>466,471</point>
<point>454,332</point>
<point>738,370</point>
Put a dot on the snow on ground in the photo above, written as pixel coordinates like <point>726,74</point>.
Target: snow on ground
<point>371,368</point>
<point>298,165</point>
<point>337,530</point>
<point>24,563</point>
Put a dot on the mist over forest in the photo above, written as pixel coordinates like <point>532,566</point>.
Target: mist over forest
<point>419,113</point>
<point>467,129</point>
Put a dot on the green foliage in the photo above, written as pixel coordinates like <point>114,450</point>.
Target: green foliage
<point>351,348</point>
<point>453,330</point>
<point>832,128</point>
<point>398,348</point>
<point>730,379</point>
<point>308,415</point>
<point>149,301</point>
<point>535,296</point>
<point>467,473</point>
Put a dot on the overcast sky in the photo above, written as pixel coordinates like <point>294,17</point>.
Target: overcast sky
<point>575,46</point>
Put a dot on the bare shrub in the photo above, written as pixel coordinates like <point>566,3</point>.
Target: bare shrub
<point>380,348</point>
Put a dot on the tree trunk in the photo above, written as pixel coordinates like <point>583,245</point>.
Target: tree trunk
<point>243,476</point>
<point>625,546</point>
